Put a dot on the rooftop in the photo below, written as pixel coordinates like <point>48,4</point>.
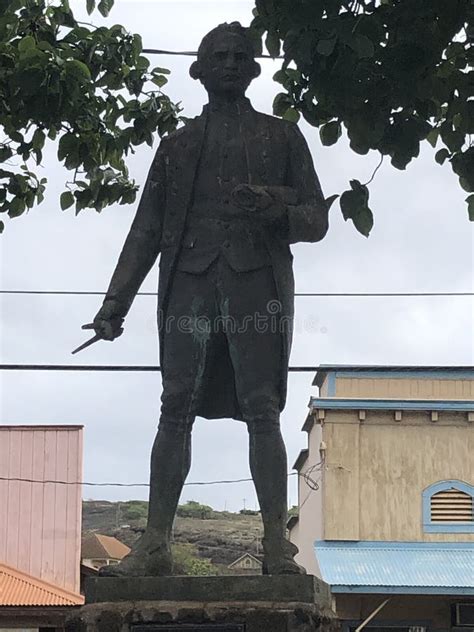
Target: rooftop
<point>394,370</point>
<point>40,427</point>
<point>98,546</point>
<point>421,568</point>
<point>20,589</point>
<point>344,403</point>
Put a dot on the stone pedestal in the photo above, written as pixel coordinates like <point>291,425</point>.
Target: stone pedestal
<point>205,604</point>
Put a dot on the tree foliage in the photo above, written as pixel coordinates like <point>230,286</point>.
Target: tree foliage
<point>187,561</point>
<point>393,73</point>
<point>193,509</point>
<point>134,510</point>
<point>90,88</point>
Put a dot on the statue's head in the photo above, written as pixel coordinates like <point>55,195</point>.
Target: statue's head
<point>226,61</point>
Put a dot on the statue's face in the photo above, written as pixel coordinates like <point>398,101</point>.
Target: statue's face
<point>228,67</point>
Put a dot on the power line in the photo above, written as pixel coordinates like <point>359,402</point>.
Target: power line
<point>299,294</point>
<point>111,368</point>
<point>87,484</point>
<point>114,368</point>
<point>190,53</point>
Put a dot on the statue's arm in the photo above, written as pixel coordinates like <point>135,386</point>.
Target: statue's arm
<point>308,219</point>
<point>140,249</point>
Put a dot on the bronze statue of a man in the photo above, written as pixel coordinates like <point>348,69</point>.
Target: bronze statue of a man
<point>225,197</point>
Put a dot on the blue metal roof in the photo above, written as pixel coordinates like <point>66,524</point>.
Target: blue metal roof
<point>393,371</point>
<point>342,403</point>
<point>397,567</point>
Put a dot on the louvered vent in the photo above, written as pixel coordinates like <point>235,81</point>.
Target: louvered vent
<point>452,505</point>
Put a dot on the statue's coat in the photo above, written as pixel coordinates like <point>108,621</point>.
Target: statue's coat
<point>277,155</point>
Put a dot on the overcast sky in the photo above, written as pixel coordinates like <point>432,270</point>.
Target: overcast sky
<point>421,242</point>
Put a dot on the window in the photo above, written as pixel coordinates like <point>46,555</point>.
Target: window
<point>448,507</point>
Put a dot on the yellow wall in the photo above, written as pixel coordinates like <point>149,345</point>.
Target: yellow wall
<point>376,471</point>
<point>404,388</point>
<point>310,524</point>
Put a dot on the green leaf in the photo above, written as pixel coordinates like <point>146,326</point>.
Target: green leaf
<point>325,47</point>
<point>361,189</point>
<point>38,140</point>
<point>159,80</point>
<point>26,43</point>
<point>291,115</point>
<point>90,6</point>
<point>364,221</point>
<point>160,71</point>
<point>17,207</point>
<point>281,103</point>
<point>5,153</point>
<point>354,206</point>
<point>67,144</point>
<point>66,200</point>
<point>442,155</point>
<point>330,133</point>
<point>466,185</point>
<point>280,76</point>
<point>350,204</point>
<point>78,69</point>
<point>433,136</point>
<point>272,42</point>
<point>105,7</point>
<point>470,207</point>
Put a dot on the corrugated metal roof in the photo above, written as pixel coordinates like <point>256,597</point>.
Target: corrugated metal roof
<point>20,589</point>
<point>425,566</point>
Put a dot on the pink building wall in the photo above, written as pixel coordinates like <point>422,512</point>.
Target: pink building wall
<point>40,523</point>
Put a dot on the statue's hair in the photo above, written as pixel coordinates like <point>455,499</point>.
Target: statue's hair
<point>234,28</point>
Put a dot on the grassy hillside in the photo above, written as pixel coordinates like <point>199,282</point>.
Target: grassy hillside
<point>220,537</point>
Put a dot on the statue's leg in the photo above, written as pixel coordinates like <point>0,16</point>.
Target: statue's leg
<point>170,464</point>
<point>268,465</point>
<point>255,346</point>
<point>184,361</point>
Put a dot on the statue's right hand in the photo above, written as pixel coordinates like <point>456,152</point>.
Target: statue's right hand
<point>107,323</point>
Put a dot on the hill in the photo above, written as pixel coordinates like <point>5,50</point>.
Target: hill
<point>218,536</point>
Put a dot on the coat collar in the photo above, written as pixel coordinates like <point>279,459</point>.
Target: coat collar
<point>236,108</point>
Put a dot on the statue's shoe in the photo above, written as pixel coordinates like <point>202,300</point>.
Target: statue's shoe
<point>279,558</point>
<point>151,557</point>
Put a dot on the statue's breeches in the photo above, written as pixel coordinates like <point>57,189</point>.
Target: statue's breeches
<point>222,351</point>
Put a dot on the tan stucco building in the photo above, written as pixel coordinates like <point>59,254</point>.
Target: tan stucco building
<point>386,491</point>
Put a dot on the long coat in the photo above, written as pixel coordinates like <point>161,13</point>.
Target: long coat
<point>277,155</point>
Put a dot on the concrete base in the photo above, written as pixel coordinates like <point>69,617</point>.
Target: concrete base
<point>205,604</point>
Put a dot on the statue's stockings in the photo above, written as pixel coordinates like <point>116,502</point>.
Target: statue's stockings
<point>171,461</point>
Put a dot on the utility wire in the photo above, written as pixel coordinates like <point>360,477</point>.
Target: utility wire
<point>154,369</point>
<point>189,53</point>
<point>111,368</point>
<point>86,484</point>
<point>320,294</point>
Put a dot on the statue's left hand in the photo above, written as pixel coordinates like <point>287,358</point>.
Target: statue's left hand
<point>259,202</point>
